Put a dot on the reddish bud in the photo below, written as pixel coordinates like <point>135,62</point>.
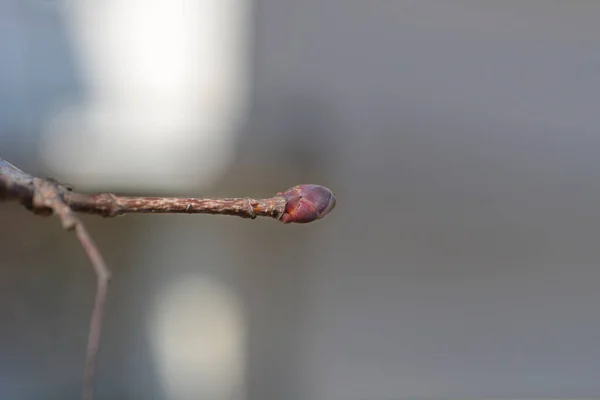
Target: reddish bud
<point>307,203</point>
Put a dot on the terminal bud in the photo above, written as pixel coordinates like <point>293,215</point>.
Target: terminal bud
<point>307,203</point>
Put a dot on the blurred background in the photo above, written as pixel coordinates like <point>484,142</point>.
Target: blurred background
<point>460,137</point>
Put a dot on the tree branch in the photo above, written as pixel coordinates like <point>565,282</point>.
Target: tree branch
<point>46,196</point>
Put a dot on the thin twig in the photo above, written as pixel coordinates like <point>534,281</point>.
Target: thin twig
<point>300,204</point>
<point>109,205</point>
<point>45,196</point>
<point>48,194</point>
<point>102,280</point>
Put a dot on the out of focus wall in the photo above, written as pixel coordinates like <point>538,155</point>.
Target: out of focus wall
<point>461,260</point>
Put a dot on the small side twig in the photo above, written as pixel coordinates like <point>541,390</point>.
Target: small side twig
<point>102,280</point>
<point>45,196</point>
<point>49,194</point>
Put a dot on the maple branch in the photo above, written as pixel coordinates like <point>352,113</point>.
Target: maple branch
<point>46,196</point>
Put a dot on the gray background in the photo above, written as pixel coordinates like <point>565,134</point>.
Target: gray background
<point>461,139</point>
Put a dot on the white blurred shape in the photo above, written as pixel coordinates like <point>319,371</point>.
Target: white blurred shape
<point>197,336</point>
<point>166,88</point>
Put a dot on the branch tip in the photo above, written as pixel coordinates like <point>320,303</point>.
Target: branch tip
<point>46,196</point>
